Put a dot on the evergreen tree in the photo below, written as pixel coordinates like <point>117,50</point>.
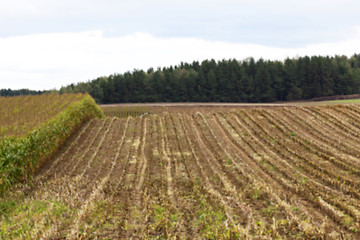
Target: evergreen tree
<point>228,80</point>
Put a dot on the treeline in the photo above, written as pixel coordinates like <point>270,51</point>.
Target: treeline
<point>225,81</point>
<point>11,93</point>
<point>230,81</point>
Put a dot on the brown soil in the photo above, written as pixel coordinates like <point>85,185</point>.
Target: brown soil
<point>204,173</point>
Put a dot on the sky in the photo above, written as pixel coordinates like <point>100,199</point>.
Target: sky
<point>47,44</point>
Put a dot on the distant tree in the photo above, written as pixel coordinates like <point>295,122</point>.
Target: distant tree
<point>228,80</point>
<point>9,93</point>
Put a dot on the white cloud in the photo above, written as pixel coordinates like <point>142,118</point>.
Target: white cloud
<point>277,22</point>
<point>45,61</point>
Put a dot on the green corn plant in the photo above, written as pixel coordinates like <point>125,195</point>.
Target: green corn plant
<point>19,157</point>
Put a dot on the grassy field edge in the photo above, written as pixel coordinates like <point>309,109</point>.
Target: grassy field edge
<point>19,157</point>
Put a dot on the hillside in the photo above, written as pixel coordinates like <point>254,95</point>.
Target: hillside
<point>19,115</point>
<point>190,172</point>
<point>35,127</point>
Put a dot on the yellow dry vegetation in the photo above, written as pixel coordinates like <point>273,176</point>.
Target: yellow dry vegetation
<point>21,114</point>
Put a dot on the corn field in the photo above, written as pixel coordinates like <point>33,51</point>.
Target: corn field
<point>198,173</point>
<point>19,115</point>
<point>127,111</point>
<point>24,148</point>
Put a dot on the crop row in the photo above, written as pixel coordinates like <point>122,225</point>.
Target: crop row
<point>19,157</point>
<point>19,115</point>
<point>257,173</point>
<point>126,111</point>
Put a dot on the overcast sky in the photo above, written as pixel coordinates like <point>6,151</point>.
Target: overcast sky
<point>46,44</point>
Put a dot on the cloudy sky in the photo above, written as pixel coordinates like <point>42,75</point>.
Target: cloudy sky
<point>46,44</point>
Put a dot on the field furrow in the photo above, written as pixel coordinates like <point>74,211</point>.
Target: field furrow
<point>81,164</point>
<point>66,155</point>
<point>301,186</point>
<point>339,120</point>
<point>185,201</point>
<point>338,140</point>
<point>319,189</point>
<point>110,215</point>
<point>129,183</point>
<point>327,162</point>
<point>103,170</point>
<point>335,136</point>
<point>206,181</point>
<point>279,208</point>
<point>348,114</point>
<point>334,122</point>
<point>198,173</point>
<point>156,208</point>
<point>261,185</point>
<point>329,157</point>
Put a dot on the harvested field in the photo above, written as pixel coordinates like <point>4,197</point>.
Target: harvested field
<point>199,173</point>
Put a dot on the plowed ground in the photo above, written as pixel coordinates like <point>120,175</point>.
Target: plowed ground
<point>254,173</point>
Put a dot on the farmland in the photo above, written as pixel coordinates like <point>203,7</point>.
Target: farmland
<point>212,172</point>
<point>31,135</point>
<point>19,115</point>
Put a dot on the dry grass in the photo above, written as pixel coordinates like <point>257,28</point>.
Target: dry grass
<point>205,173</point>
<point>19,115</point>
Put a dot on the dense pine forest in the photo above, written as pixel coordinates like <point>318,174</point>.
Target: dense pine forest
<point>249,80</point>
<point>20,92</point>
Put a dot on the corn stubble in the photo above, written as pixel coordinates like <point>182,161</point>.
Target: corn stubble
<point>198,173</point>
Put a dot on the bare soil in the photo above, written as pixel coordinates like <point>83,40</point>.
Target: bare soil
<point>199,173</point>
